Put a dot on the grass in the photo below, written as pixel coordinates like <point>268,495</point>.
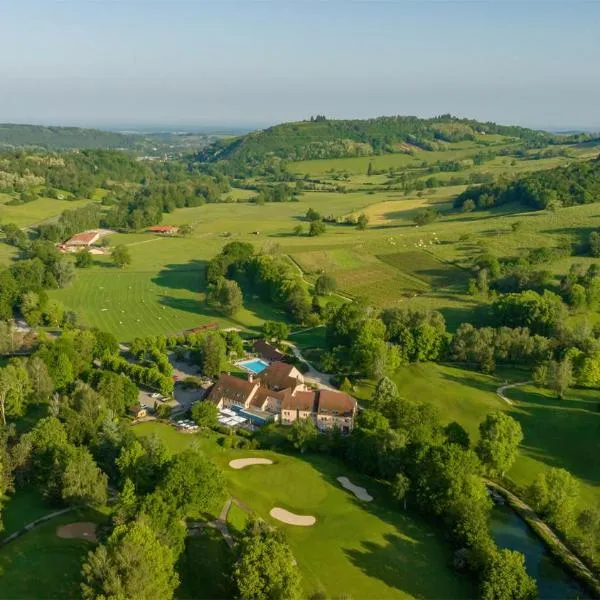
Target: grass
<point>367,551</point>
<point>23,507</point>
<point>236,519</point>
<point>39,210</point>
<point>205,568</point>
<point>134,303</point>
<point>39,564</point>
<point>557,433</point>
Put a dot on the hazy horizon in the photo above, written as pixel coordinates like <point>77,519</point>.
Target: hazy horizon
<point>251,64</point>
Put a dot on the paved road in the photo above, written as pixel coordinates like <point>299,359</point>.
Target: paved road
<point>500,391</point>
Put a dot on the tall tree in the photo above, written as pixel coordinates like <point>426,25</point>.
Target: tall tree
<point>121,256</point>
<point>325,285</point>
<point>193,482</point>
<point>505,578</point>
<point>83,482</point>
<point>500,436</point>
<point>205,414</point>
<point>213,354</point>
<point>276,330</point>
<point>302,433</point>
<point>554,493</point>
<point>132,564</point>
<point>265,568</point>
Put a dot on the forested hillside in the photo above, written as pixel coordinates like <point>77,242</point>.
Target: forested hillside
<point>60,138</point>
<point>323,138</point>
<point>579,183</point>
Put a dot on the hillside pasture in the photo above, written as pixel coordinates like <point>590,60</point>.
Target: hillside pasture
<point>42,209</point>
<point>360,164</point>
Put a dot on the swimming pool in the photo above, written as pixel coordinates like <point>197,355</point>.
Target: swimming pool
<point>254,365</point>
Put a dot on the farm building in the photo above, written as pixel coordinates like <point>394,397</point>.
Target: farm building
<point>164,229</point>
<point>87,238</point>
<point>81,241</point>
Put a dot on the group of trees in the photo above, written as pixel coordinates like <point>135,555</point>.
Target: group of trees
<point>435,470</point>
<point>157,492</point>
<point>362,341</point>
<point>578,183</point>
<point>486,346</point>
<point>23,284</point>
<point>267,276</point>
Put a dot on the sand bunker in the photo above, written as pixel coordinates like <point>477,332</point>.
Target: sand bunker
<point>360,492</point>
<point>82,531</point>
<point>240,463</point>
<point>285,516</point>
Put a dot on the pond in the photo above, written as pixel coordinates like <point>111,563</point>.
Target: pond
<point>554,583</point>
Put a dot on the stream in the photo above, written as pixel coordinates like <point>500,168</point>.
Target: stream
<point>554,583</point>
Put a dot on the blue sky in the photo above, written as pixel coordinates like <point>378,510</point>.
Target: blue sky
<point>211,62</point>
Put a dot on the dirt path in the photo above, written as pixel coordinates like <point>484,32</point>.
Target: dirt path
<point>544,530</point>
<point>310,283</point>
<point>500,391</point>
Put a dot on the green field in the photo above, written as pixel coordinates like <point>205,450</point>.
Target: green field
<point>557,433</point>
<point>362,550</point>
<point>39,210</point>
<point>39,564</point>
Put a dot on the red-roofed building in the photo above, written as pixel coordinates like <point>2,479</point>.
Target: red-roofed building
<point>164,229</point>
<point>280,391</point>
<point>87,238</point>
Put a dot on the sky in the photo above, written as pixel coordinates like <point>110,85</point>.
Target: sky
<point>193,63</point>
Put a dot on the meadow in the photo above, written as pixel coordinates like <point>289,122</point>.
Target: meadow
<point>31,213</point>
<point>363,550</point>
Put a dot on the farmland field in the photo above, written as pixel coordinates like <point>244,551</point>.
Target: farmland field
<point>369,551</point>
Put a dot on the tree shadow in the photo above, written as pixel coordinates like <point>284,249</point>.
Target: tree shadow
<point>400,563</point>
<point>404,560</point>
<point>205,568</point>
<point>186,276</point>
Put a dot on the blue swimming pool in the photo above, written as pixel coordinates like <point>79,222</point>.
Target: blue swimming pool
<point>254,365</point>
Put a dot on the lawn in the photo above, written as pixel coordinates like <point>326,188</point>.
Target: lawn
<point>39,564</point>
<point>23,507</point>
<point>362,550</point>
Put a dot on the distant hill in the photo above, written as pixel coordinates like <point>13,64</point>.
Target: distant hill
<point>64,138</point>
<point>323,138</point>
<point>78,138</point>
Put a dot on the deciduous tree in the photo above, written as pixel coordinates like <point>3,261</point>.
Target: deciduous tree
<point>132,564</point>
<point>500,436</point>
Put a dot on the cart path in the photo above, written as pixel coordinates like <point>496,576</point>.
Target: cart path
<point>500,391</point>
